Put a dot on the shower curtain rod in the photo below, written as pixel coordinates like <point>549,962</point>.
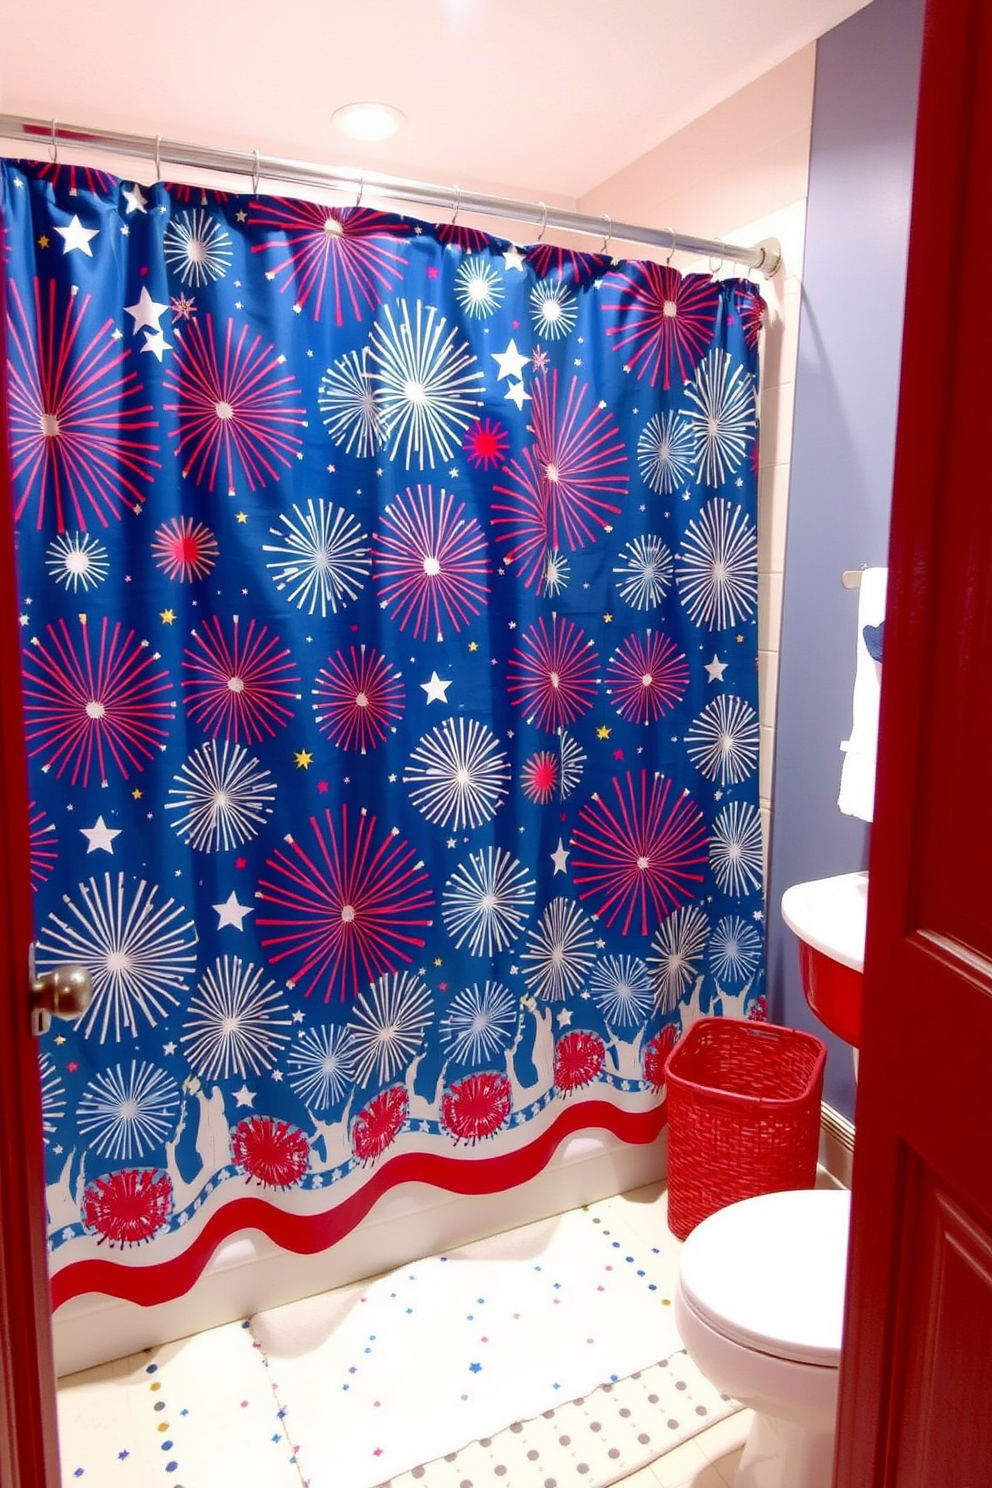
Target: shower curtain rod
<point>765,256</point>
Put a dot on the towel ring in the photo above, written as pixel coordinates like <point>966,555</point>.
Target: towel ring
<point>609,232</point>
<point>158,157</point>
<point>458,204</point>
<point>254,175</point>
<point>53,148</point>
<point>544,221</point>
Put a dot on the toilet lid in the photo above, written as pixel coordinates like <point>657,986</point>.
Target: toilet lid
<point>769,1273</point>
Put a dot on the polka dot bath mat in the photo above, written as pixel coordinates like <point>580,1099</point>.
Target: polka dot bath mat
<point>591,1442</point>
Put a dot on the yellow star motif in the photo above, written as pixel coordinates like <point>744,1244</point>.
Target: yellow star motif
<point>473,645</point>
<point>738,638</point>
<point>136,795</point>
<point>167,617</point>
<point>607,618</point>
<point>303,759</point>
<point>43,241</point>
<point>602,732</point>
<point>242,516</point>
<point>60,1038</point>
<point>438,961</point>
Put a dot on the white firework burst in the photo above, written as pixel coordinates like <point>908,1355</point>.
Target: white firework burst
<point>559,952</point>
<point>139,954</point>
<point>224,795</point>
<point>571,763</point>
<point>388,1025</point>
<point>52,1096</point>
<point>677,950</point>
<point>723,741</point>
<point>621,989</point>
<point>122,1114</point>
<point>553,309</point>
<point>77,561</point>
<point>487,901</point>
<point>480,1023</point>
<point>323,559</point>
<point>735,949</point>
<point>323,1070</point>
<point>478,288</point>
<point>235,1023</point>
<point>717,568</point>
<point>736,849</point>
<point>645,572</point>
<point>459,774</point>
<point>197,248</point>
<point>665,450</point>
<point>348,405</point>
<point>428,393</point>
<point>556,573</point>
<point>722,415</point>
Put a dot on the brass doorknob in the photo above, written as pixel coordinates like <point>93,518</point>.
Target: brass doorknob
<point>63,992</point>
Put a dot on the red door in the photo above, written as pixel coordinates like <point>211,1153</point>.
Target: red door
<point>916,1378</point>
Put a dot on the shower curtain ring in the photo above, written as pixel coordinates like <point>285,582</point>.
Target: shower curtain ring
<point>609,232</point>
<point>544,221</point>
<point>458,205</point>
<point>668,260</point>
<point>361,189</point>
<point>255,175</point>
<point>53,148</point>
<point>158,157</point>
<point>720,261</point>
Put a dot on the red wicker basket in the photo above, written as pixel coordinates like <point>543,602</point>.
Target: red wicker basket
<point>743,1115</point>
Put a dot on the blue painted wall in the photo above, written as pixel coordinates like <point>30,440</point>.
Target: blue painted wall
<point>864,119</point>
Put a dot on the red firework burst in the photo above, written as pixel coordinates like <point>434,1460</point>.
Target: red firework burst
<point>236,408</point>
<point>379,1123</point>
<point>656,1053</point>
<point>184,549</point>
<point>664,320</point>
<point>352,245</point>
<point>579,1059</point>
<point>238,686</point>
<point>471,239</point>
<point>567,486</point>
<point>751,308</point>
<point>88,704</point>
<point>77,177</point>
<point>757,1011</point>
<point>44,846</point>
<point>129,1206</point>
<point>640,860</point>
<point>646,677</point>
<point>552,675</point>
<point>431,563</point>
<point>485,444</point>
<point>273,1152</point>
<point>477,1106</point>
<point>539,777</point>
<point>359,699</point>
<point>353,911</point>
<point>77,417</point>
<point>205,196</point>
<point>544,258</point>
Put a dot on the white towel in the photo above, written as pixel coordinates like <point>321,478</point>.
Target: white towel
<point>857,780</point>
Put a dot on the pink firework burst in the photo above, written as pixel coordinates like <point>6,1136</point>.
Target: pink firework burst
<point>431,563</point>
<point>656,1053</point>
<point>664,320</point>
<point>129,1206</point>
<point>237,409</point>
<point>646,677</point>
<point>77,417</point>
<point>642,858</point>
<point>91,702</point>
<point>203,195</point>
<point>359,698</point>
<point>273,1152</point>
<point>539,776</point>
<point>44,845</point>
<point>239,686</point>
<point>349,913</point>
<point>471,239</point>
<point>552,675</point>
<point>378,1124</point>
<point>566,487</point>
<point>352,246</point>
<point>184,549</point>
<point>485,444</point>
<point>545,258</point>
<point>78,177</point>
<point>477,1106</point>
<point>579,1059</point>
<point>751,308</point>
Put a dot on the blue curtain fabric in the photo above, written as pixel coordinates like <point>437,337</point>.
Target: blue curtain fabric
<point>388,597</point>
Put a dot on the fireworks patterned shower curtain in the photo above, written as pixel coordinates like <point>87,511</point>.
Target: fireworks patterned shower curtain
<point>388,598</point>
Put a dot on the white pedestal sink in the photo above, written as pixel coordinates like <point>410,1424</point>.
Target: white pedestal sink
<point>829,916</point>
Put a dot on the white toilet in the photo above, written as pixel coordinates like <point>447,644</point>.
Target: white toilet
<point>759,1306</point>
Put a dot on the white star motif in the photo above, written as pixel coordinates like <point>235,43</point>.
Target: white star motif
<point>77,236</point>
<point>715,669</point>
<point>511,363</point>
<point>513,259</point>
<point>244,1096</point>
<point>436,689</point>
<point>564,1017</point>
<point>100,837</point>
<point>232,913</point>
<point>136,199</point>
<point>156,343</point>
<point>559,857</point>
<point>516,394</point>
<point>146,312</point>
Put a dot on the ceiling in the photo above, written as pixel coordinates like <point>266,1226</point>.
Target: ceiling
<point>533,97</point>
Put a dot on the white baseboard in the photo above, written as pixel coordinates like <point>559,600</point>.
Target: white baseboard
<point>248,1272</point>
<point>836,1145</point>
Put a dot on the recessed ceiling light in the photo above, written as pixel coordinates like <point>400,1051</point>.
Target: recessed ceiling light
<point>368,121</point>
